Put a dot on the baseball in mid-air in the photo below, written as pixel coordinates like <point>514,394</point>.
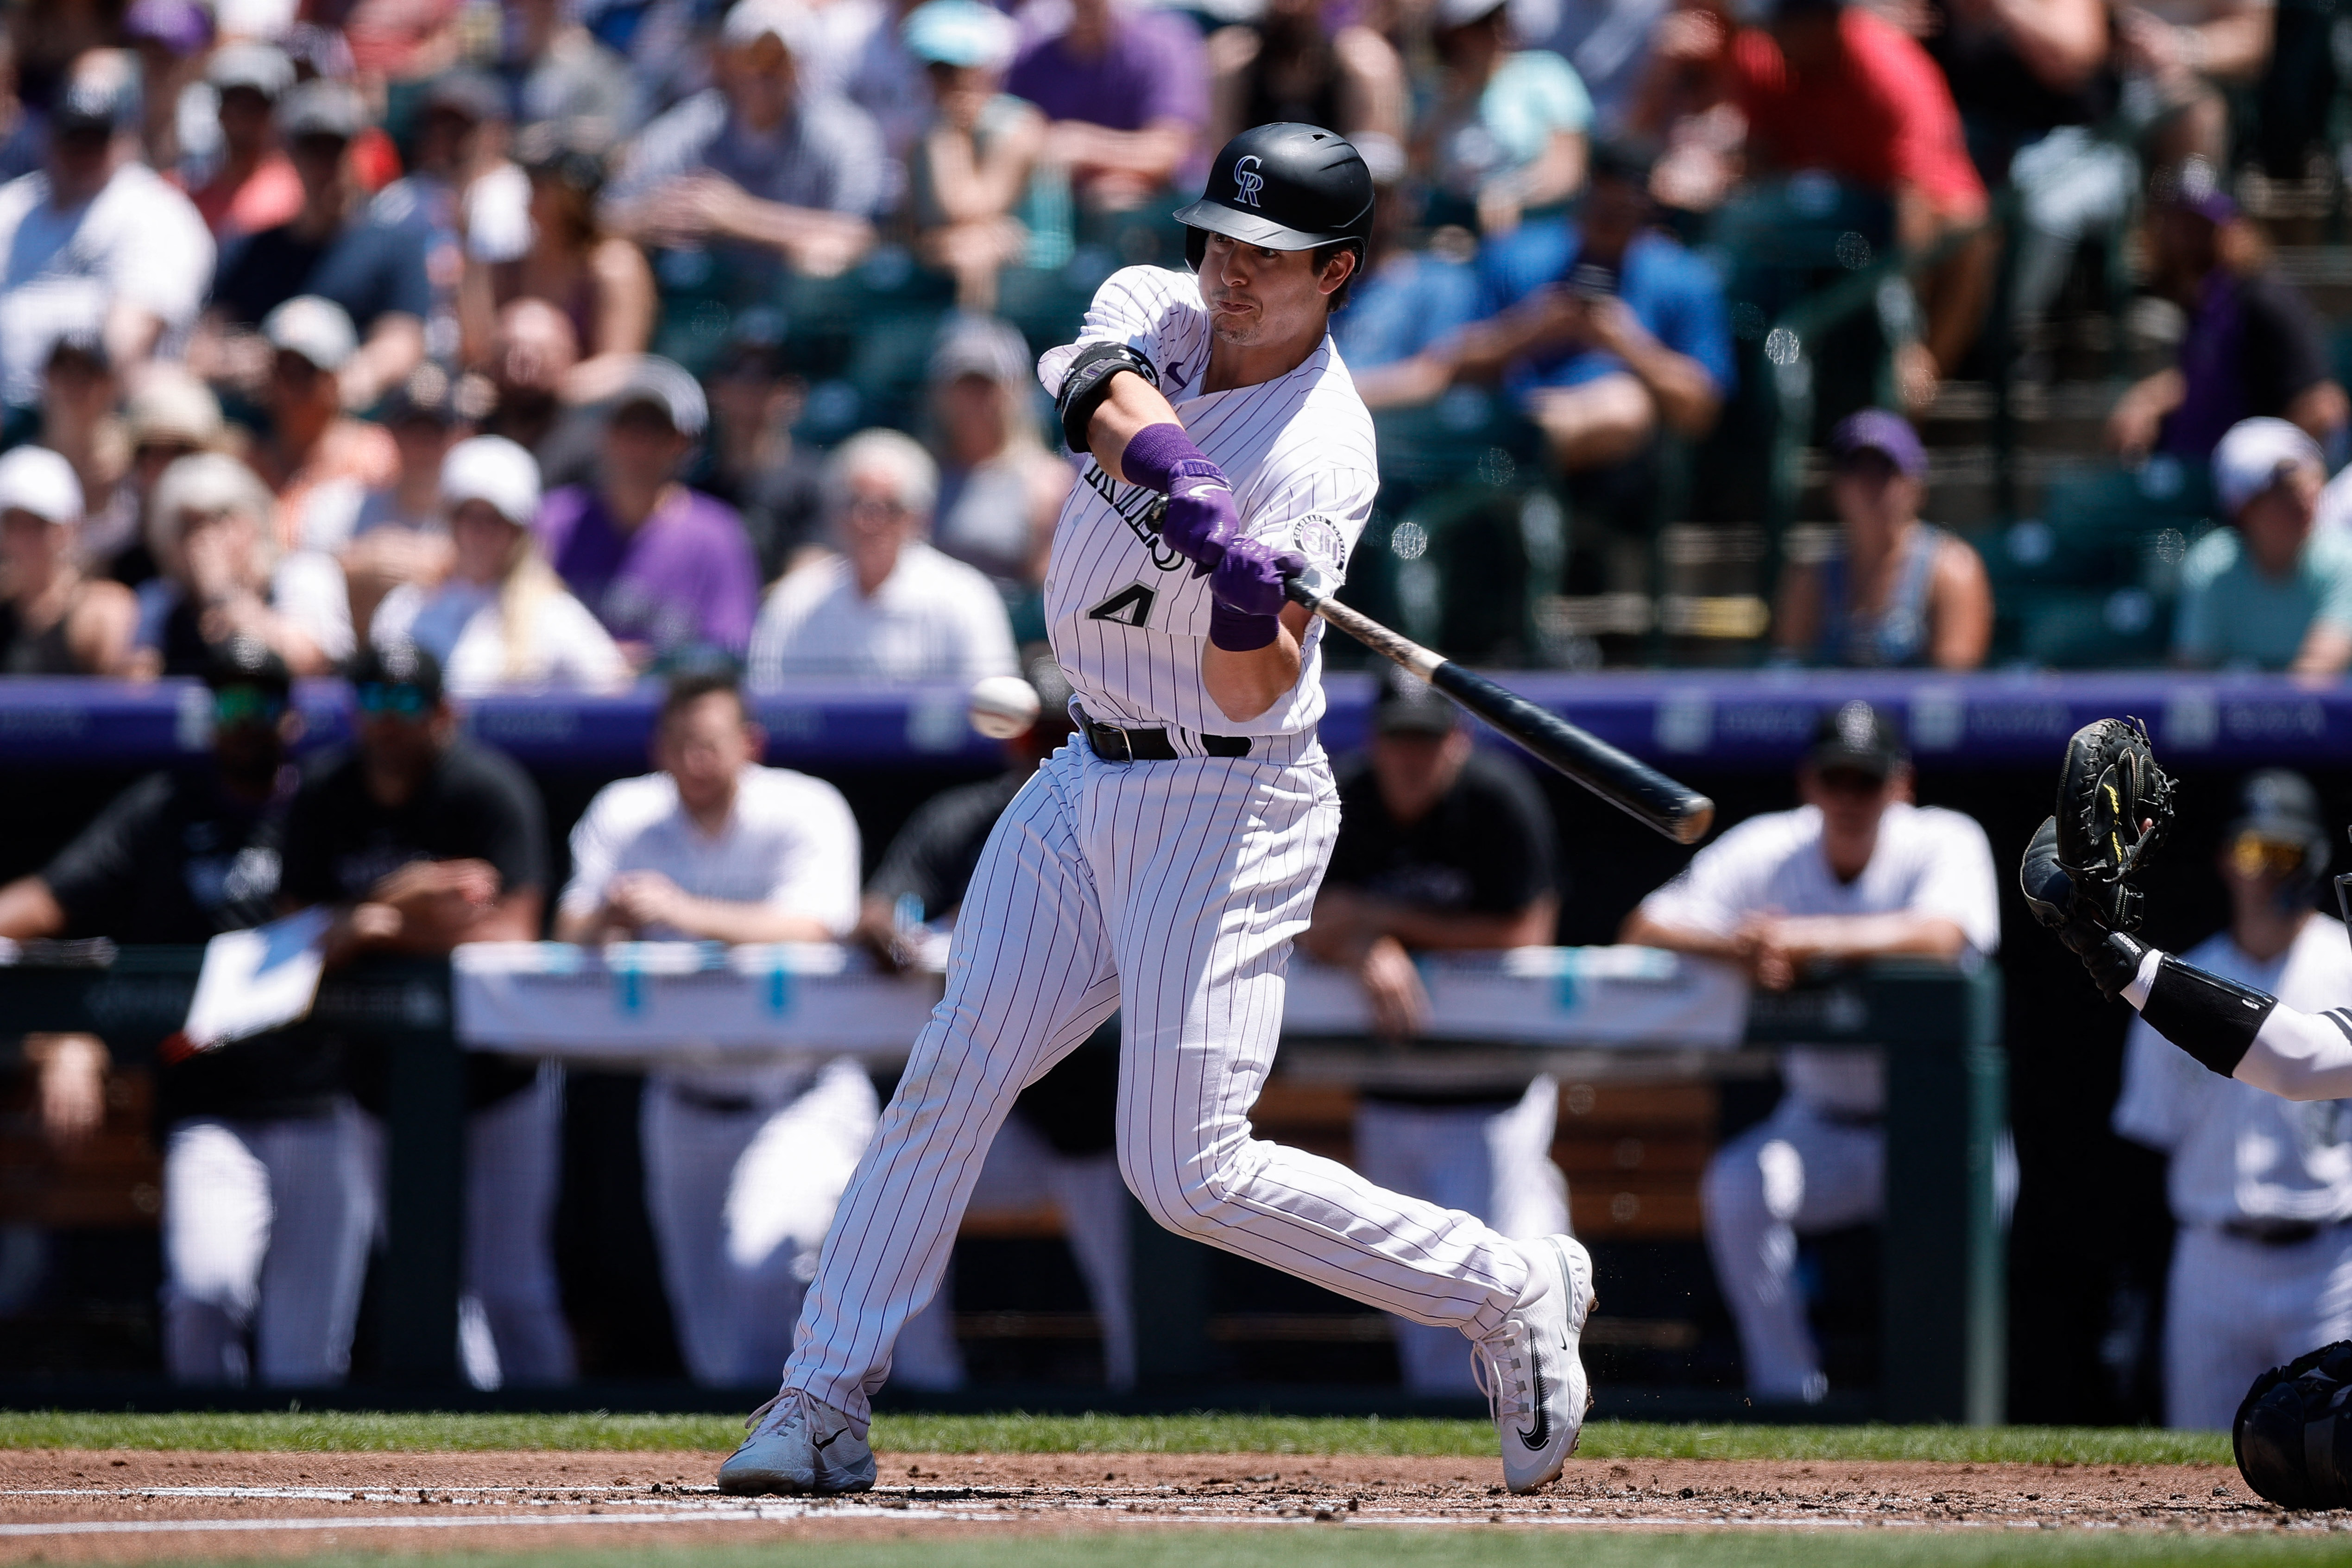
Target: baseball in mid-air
<point>1001,707</point>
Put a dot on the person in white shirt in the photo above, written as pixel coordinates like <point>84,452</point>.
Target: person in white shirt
<point>889,607</point>
<point>503,621</point>
<point>2260,1187</point>
<point>1857,871</point>
<point>743,1166</point>
<point>95,241</point>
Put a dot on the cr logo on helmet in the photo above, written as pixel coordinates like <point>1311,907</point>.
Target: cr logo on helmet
<point>1247,181</point>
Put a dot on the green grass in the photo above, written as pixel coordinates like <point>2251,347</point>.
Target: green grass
<point>1309,1546</point>
<point>324,1431</point>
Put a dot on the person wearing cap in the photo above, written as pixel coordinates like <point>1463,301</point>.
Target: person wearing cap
<point>397,533</point>
<point>743,1165</point>
<point>597,278</point>
<point>1443,847</point>
<point>2271,591</point>
<point>54,619</point>
<point>319,462</point>
<point>969,182</point>
<point>765,167</point>
<point>752,461</point>
<point>372,269</point>
<point>2260,1187</point>
<point>501,620</point>
<point>664,567</point>
<point>221,573</point>
<point>1000,490</point>
<point>267,1209</point>
<point>2254,347</point>
<point>888,607</point>
<point>1606,329</point>
<point>1056,1148</point>
<point>1505,135</point>
<point>171,38</point>
<point>417,841</point>
<point>1125,90</point>
<point>1857,873</point>
<point>1896,592</point>
<point>1302,60</point>
<point>460,183</point>
<point>252,184</point>
<point>95,241</point>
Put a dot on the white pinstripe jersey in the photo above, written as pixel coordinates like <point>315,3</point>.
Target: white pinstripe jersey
<point>1126,615</point>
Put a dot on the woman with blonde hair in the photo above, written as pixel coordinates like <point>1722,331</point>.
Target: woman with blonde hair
<point>503,620</point>
<point>220,573</point>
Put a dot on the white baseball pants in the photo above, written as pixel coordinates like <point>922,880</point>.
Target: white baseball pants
<point>1174,888</point>
<point>740,1202</point>
<point>514,1167</point>
<point>1796,1172</point>
<point>1022,1171</point>
<point>1496,1165</point>
<point>2234,1309</point>
<point>265,1231</point>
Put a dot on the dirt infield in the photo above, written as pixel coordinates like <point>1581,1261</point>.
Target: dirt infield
<point>83,1505</point>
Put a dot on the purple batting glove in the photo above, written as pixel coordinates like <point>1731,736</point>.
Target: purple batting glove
<point>1201,518</point>
<point>1247,588</point>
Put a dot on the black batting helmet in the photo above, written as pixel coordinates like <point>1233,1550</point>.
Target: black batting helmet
<point>2293,1437</point>
<point>1284,186</point>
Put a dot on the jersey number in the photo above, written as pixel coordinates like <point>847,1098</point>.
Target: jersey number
<point>1130,606</point>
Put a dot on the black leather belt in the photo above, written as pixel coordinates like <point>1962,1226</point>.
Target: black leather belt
<point>2275,1232</point>
<point>1113,744</point>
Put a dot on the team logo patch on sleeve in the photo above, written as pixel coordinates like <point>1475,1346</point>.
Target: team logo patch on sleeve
<point>1320,540</point>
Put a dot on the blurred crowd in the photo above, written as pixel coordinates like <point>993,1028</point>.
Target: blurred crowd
<point>273,273</point>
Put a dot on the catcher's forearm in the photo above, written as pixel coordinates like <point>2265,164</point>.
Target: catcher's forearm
<point>2243,1033</point>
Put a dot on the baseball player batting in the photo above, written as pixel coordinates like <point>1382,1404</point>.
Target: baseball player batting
<point>1164,860</point>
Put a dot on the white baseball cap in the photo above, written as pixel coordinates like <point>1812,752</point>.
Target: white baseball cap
<point>2256,454</point>
<point>493,469</point>
<point>37,480</point>
<point>789,22</point>
<point>314,328</point>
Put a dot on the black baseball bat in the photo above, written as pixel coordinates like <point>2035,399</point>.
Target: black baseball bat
<point>1628,783</point>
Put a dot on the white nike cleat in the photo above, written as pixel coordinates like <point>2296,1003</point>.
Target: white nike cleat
<point>1529,1369</point>
<point>798,1444</point>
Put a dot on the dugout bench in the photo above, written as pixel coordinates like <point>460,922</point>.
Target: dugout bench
<point>1943,1329</point>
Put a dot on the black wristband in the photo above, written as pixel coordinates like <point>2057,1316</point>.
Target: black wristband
<point>1087,383</point>
<point>2213,1020</point>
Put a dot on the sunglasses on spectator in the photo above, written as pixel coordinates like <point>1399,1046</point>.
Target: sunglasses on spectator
<point>2252,855</point>
<point>245,704</point>
<point>379,701</point>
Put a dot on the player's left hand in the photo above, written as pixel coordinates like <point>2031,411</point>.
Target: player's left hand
<point>1201,520</point>
<point>2112,958</point>
<point>1251,576</point>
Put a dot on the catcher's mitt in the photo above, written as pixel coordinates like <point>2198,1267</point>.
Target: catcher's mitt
<point>2113,806</point>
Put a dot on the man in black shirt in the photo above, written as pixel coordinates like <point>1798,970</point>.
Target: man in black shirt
<point>267,1205</point>
<point>1442,847</point>
<point>1056,1145</point>
<point>376,270</point>
<point>421,841</point>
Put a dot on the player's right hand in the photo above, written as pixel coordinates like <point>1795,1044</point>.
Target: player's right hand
<point>1201,518</point>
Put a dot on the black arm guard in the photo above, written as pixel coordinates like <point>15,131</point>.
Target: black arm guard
<point>1088,382</point>
<point>2213,1020</point>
